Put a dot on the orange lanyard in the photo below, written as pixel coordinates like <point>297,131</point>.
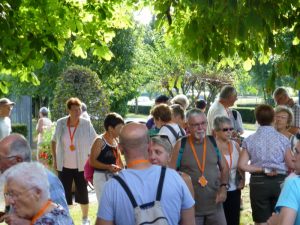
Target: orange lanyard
<point>69,129</point>
<point>230,155</point>
<point>201,167</point>
<point>136,162</point>
<point>40,212</point>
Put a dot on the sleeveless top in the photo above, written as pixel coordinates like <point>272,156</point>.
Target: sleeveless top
<point>108,154</point>
<point>205,197</point>
<point>234,167</point>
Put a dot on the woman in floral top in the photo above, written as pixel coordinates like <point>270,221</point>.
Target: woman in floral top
<point>27,193</point>
<point>269,153</point>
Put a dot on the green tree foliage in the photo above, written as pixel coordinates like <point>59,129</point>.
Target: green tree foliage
<point>208,29</point>
<point>81,82</point>
<point>33,32</point>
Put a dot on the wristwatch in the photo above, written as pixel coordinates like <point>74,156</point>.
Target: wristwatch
<point>225,185</point>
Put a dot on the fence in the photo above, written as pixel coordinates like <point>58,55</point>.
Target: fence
<point>22,113</point>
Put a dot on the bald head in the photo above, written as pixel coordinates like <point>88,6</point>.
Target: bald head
<point>134,140</point>
<point>16,147</point>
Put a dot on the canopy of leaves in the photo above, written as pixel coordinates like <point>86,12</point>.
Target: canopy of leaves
<point>33,32</point>
<point>81,82</point>
<point>214,29</point>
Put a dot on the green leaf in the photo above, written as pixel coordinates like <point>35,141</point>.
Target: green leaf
<point>247,65</point>
<point>34,79</point>
<point>79,52</point>
<point>103,52</point>
<point>3,87</point>
<point>296,41</point>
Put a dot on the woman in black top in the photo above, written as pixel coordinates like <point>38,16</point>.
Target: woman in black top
<point>105,155</point>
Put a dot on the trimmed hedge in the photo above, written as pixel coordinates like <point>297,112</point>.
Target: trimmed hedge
<point>247,114</point>
<point>19,128</point>
<point>142,109</point>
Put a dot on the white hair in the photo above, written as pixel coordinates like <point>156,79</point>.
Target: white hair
<point>29,174</point>
<point>181,100</point>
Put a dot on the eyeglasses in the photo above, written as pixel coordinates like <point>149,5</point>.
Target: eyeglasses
<point>281,117</point>
<point>227,129</point>
<point>163,136</point>
<point>8,157</point>
<point>202,124</point>
<point>15,196</point>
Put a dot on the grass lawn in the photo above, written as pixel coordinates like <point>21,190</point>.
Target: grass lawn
<point>76,213</point>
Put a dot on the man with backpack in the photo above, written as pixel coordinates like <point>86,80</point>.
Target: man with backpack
<point>144,193</point>
<point>198,156</point>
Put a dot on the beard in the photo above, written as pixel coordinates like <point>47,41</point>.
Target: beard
<point>199,135</point>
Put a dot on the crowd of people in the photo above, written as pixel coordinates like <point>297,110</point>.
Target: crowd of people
<point>185,166</point>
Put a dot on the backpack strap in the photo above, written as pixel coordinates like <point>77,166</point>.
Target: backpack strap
<point>127,190</point>
<point>181,131</point>
<point>160,183</point>
<point>181,150</point>
<point>172,131</point>
<point>213,141</point>
<point>234,113</point>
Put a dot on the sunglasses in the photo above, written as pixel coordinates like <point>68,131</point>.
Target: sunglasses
<point>163,136</point>
<point>227,129</point>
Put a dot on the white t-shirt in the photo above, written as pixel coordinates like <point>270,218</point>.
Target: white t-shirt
<point>5,127</point>
<point>165,130</point>
<point>216,109</point>
<point>70,157</point>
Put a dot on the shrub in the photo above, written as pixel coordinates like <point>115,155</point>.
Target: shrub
<point>81,82</point>
<point>20,129</point>
<point>142,109</point>
<point>247,114</point>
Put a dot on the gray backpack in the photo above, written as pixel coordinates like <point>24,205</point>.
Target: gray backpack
<point>151,212</point>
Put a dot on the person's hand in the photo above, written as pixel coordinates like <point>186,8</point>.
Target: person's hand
<point>274,219</point>
<point>114,168</point>
<point>241,184</point>
<point>13,219</point>
<point>271,174</point>
<point>221,195</point>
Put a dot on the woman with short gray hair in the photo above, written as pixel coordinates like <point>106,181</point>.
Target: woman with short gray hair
<point>222,129</point>
<point>27,192</point>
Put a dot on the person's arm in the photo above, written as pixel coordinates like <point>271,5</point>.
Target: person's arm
<point>288,158</point>
<point>243,163</point>
<point>100,221</point>
<point>287,216</point>
<point>222,193</point>
<point>95,152</point>
<point>39,126</point>
<point>187,216</point>
<point>174,155</point>
<point>53,150</point>
<point>188,182</point>
<point>242,174</point>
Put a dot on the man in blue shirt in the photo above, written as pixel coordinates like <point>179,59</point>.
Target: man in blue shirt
<point>142,179</point>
